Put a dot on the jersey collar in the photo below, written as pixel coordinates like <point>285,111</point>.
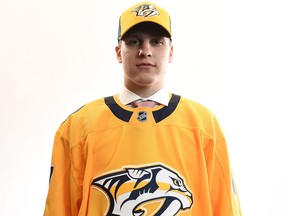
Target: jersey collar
<point>126,96</point>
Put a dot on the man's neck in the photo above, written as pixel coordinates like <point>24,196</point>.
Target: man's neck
<point>145,91</point>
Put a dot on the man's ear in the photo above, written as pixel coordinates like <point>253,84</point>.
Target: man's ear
<point>118,53</point>
<point>171,53</point>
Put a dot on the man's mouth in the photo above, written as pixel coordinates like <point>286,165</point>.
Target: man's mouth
<point>145,65</point>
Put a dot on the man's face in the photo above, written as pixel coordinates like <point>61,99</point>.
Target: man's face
<point>145,55</point>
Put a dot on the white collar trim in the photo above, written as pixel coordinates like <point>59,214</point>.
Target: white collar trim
<point>162,96</point>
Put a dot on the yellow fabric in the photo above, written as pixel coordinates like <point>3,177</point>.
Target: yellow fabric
<point>98,157</point>
<point>143,12</point>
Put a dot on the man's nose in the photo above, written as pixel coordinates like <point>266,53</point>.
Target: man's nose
<point>145,49</point>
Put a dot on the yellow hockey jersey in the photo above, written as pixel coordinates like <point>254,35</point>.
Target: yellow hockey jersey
<point>109,159</point>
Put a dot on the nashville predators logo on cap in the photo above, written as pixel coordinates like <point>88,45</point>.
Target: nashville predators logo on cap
<point>146,10</point>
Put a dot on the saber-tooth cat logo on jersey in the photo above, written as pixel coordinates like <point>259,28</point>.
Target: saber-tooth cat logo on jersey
<point>152,190</point>
<point>146,10</point>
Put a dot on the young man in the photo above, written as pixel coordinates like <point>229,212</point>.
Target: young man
<point>164,156</point>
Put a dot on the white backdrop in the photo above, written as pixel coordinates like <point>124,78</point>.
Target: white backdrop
<point>230,56</point>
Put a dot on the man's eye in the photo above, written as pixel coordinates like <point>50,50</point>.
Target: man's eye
<point>157,42</point>
<point>133,42</point>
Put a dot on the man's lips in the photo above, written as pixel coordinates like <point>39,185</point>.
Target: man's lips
<point>145,65</point>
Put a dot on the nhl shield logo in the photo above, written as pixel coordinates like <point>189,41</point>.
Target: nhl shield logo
<point>142,116</point>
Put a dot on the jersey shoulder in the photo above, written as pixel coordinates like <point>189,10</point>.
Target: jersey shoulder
<point>194,116</point>
<point>90,117</point>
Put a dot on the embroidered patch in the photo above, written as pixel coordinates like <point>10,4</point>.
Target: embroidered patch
<point>146,10</point>
<point>142,116</point>
<point>144,190</point>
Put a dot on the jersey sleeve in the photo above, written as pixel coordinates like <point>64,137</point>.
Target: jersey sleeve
<point>223,193</point>
<point>64,194</point>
